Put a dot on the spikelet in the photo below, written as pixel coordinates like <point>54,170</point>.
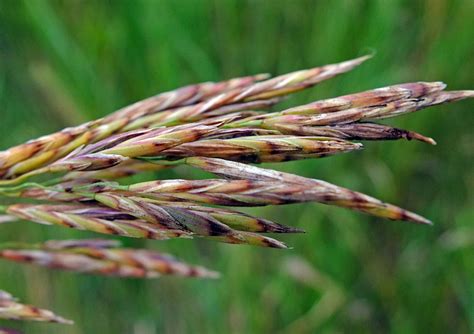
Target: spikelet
<point>132,217</point>
<point>317,190</point>
<point>102,257</point>
<point>11,309</point>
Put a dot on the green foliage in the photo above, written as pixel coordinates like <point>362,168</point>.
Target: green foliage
<point>63,62</point>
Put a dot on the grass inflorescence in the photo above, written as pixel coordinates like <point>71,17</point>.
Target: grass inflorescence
<point>69,178</point>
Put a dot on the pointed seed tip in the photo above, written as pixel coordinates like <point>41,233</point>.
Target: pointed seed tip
<point>292,230</point>
<point>262,76</point>
<point>420,220</point>
<point>278,244</point>
<point>211,274</point>
<point>423,221</point>
<point>420,137</point>
<point>468,93</point>
<point>61,320</point>
<point>362,59</point>
<point>368,56</point>
<point>286,229</point>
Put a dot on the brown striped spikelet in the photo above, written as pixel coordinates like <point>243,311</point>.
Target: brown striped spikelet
<point>315,190</point>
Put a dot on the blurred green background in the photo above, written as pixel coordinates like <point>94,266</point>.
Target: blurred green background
<point>64,62</point>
